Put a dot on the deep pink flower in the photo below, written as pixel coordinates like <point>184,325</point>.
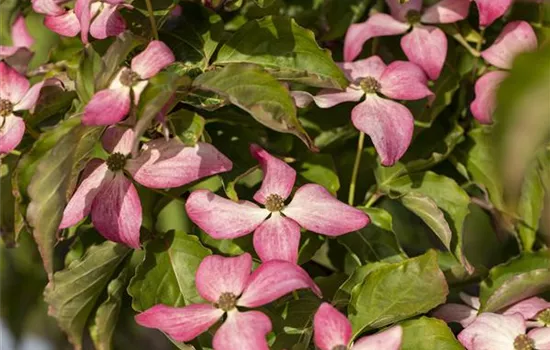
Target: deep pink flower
<point>226,283</point>
<point>332,331</point>
<point>490,10</point>
<point>425,45</point>
<point>535,310</point>
<point>117,98</point>
<point>110,196</point>
<point>20,38</point>
<point>388,123</point>
<point>278,237</point>
<point>16,94</point>
<point>101,19</point>
<point>515,38</point>
<point>503,332</point>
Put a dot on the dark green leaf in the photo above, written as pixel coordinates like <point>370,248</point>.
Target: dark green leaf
<point>167,274</point>
<point>53,101</point>
<point>188,126</point>
<point>396,292</point>
<point>344,292</point>
<point>257,92</point>
<point>74,291</point>
<point>264,3</point>
<point>340,14</point>
<point>428,333</point>
<point>286,50</point>
<point>89,67</point>
<point>319,168</point>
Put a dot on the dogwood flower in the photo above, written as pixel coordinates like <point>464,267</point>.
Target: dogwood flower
<point>425,45</point>
<point>101,19</point>
<point>332,331</point>
<point>20,38</point>
<point>117,98</point>
<point>277,227</point>
<point>535,309</point>
<point>515,38</point>
<point>490,10</point>
<point>111,198</point>
<point>492,331</point>
<point>388,123</point>
<point>16,94</point>
<point>227,284</point>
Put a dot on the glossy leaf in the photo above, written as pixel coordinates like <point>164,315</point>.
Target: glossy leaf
<point>427,333</point>
<point>188,126</point>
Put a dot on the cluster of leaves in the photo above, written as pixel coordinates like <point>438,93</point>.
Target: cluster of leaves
<point>464,208</point>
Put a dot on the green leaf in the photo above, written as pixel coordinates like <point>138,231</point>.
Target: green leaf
<point>196,37</point>
<point>264,3</point>
<point>286,50</point>
<point>53,101</point>
<point>374,242</point>
<point>428,211</point>
<point>55,171</point>
<point>7,201</point>
<point>396,292</point>
<point>188,126</point>
<point>106,316</point>
<point>319,168</point>
<point>253,89</point>
<point>89,67</point>
<point>448,196</point>
<point>520,278</point>
<point>340,14</point>
<point>167,274</point>
<point>428,333</point>
<point>344,292</point>
<point>73,292</point>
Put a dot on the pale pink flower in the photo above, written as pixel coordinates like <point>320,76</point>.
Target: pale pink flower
<point>111,198</point>
<point>277,227</point>
<point>535,310</point>
<point>117,98</point>
<point>21,40</point>
<point>16,94</point>
<point>388,123</point>
<point>425,45</point>
<point>101,19</point>
<point>515,38</point>
<point>492,331</point>
<point>226,284</point>
<point>332,331</point>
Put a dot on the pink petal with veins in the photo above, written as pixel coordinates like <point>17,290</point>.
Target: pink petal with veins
<point>65,24</point>
<point>279,177</point>
<point>446,11</point>
<point>327,98</point>
<point>399,11</point>
<point>153,59</point>
<point>14,86</point>
<point>528,308</point>
<point>20,35</point>
<point>107,107</point>
<point>404,81</point>
<point>109,22</point>
<point>12,130</point>
<point>490,10</point>
<point>427,47</point>
<point>389,339</point>
<point>484,104</point>
<point>369,67</point>
<point>277,238</point>
<point>330,328</point>
<point>492,331</point>
<point>243,331</point>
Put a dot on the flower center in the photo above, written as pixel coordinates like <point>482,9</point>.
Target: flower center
<point>6,107</point>
<point>370,85</point>
<point>413,17</point>
<point>340,347</point>
<point>523,342</point>
<point>116,161</point>
<point>129,78</point>
<point>544,317</point>
<point>227,302</point>
<point>274,202</point>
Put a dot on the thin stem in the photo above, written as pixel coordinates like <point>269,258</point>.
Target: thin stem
<point>478,48</point>
<point>376,196</point>
<point>35,134</point>
<point>458,37</point>
<point>15,152</point>
<point>358,154</point>
<point>152,19</point>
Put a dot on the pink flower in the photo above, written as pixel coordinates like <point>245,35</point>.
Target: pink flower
<point>116,98</point>
<point>110,196</point>
<point>515,38</point>
<point>98,18</point>
<point>490,10</point>
<point>332,331</point>
<point>20,38</point>
<point>503,332</point>
<point>388,123</point>
<point>425,45</point>
<point>535,309</point>
<point>278,237</point>
<point>16,94</point>
<point>226,283</point>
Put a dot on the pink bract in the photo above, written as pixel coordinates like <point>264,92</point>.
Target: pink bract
<point>227,283</point>
<point>389,124</point>
<point>16,94</point>
<point>425,45</point>
<point>19,51</point>
<point>111,197</point>
<point>331,329</point>
<point>277,227</point>
<point>117,98</point>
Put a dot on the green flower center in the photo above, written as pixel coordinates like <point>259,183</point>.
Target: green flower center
<point>413,17</point>
<point>544,317</point>
<point>6,107</point>
<point>274,202</point>
<point>523,342</point>
<point>226,302</point>
<point>116,161</point>
<point>129,78</point>
<point>370,85</point>
<point>340,347</point>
